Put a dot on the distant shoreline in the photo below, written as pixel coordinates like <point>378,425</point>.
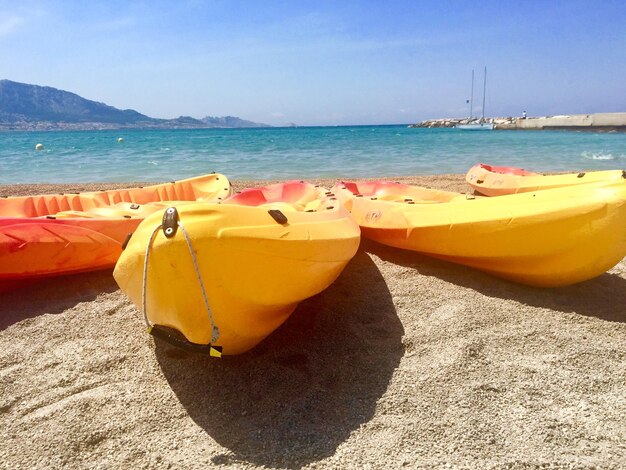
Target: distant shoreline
<point>72,127</point>
<point>98,126</point>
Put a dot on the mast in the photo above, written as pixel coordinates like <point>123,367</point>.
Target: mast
<point>472,97</point>
<point>484,94</point>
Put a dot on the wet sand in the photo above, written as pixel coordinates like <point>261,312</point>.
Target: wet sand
<point>404,361</point>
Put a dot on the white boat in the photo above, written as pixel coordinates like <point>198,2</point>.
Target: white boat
<point>475,126</point>
<point>481,124</point>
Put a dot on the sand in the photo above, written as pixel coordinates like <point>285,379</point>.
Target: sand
<point>405,361</point>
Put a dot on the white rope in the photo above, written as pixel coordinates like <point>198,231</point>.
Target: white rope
<point>214,329</point>
<point>145,277</point>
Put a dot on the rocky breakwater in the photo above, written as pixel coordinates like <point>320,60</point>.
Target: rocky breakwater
<point>588,122</point>
<point>433,123</point>
<point>499,123</point>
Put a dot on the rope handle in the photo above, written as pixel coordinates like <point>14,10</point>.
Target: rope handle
<point>169,217</point>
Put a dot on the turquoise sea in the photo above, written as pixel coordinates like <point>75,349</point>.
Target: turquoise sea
<point>301,153</point>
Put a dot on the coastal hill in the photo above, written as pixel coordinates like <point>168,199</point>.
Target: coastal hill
<point>33,107</point>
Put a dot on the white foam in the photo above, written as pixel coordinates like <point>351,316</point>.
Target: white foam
<point>598,156</point>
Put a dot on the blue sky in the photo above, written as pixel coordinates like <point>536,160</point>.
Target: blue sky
<point>322,62</point>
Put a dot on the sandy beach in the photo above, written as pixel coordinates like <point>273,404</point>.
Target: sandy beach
<point>405,361</point>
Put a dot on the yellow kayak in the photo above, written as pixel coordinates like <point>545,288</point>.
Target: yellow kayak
<point>500,180</point>
<point>226,275</point>
<point>545,238</point>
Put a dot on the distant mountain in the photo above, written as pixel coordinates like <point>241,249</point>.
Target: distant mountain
<point>230,121</point>
<point>20,102</point>
<point>24,106</point>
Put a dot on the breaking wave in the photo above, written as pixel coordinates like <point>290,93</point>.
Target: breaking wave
<point>601,156</point>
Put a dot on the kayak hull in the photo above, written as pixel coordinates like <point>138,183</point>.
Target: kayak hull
<point>499,181</point>
<point>546,238</point>
<point>257,259</point>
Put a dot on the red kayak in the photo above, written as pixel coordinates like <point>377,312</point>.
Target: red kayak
<point>57,234</point>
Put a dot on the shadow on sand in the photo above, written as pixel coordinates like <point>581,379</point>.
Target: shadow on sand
<point>603,297</point>
<point>301,392</point>
<point>30,299</point>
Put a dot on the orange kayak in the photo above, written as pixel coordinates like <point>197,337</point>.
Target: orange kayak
<point>57,234</point>
<point>492,180</point>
